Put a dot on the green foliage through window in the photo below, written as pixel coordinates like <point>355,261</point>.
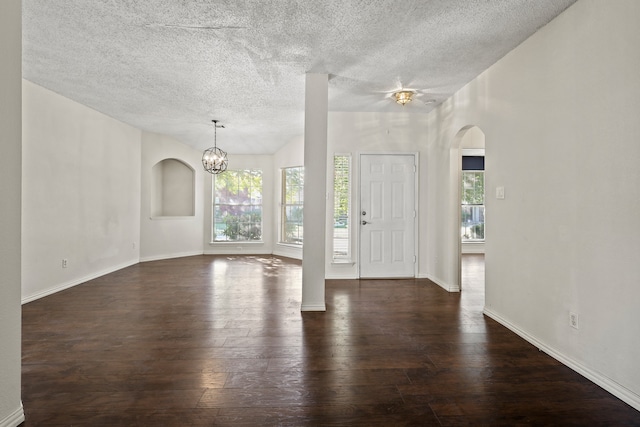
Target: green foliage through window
<point>237,207</point>
<point>292,204</point>
<point>472,215</point>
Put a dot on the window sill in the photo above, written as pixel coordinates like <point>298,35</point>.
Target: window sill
<point>235,243</point>
<point>290,245</point>
<point>164,218</point>
<point>344,262</point>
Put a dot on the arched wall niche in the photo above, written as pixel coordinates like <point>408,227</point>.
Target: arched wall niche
<point>173,189</point>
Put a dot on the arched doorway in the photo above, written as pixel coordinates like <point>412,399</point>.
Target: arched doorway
<point>467,179</point>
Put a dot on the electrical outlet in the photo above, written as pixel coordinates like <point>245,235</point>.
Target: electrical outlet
<point>64,263</point>
<point>573,320</point>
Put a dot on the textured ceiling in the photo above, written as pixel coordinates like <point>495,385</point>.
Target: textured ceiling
<point>171,66</point>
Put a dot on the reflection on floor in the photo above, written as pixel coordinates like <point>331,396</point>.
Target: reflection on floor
<point>473,280</point>
<point>472,271</point>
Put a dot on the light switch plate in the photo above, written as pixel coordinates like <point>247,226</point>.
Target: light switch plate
<point>499,192</point>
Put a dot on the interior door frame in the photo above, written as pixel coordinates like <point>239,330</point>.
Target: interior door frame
<point>416,223</point>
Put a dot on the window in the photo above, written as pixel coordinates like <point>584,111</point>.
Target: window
<point>472,224</point>
<point>341,206</point>
<point>292,201</point>
<point>237,207</point>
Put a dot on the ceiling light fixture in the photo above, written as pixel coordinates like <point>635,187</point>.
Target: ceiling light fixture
<point>403,96</point>
<point>214,159</point>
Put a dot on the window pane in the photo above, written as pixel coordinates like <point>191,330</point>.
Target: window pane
<point>237,213</point>
<point>249,220</point>
<point>226,187</point>
<point>472,214</point>
<point>472,227</point>
<point>293,224</point>
<point>218,222</point>
<point>473,188</point>
<point>292,201</point>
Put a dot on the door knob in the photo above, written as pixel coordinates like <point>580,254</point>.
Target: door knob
<point>363,222</point>
<point>364,212</point>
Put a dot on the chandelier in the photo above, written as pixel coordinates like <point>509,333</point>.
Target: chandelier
<point>214,159</point>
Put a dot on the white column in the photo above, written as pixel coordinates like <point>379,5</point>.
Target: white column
<point>11,413</point>
<point>315,183</point>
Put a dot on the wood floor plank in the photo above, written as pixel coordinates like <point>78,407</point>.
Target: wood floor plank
<point>316,379</point>
<point>220,340</point>
<point>304,395</point>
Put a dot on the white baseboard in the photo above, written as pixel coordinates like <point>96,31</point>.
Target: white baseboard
<point>288,252</point>
<point>313,307</point>
<point>447,287</point>
<point>75,282</point>
<point>14,419</point>
<point>603,381</point>
<point>340,276</point>
<point>170,256</point>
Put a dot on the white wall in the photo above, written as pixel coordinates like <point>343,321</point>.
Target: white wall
<point>81,193</point>
<point>356,133</point>
<point>291,155</point>
<point>560,116</point>
<point>243,162</point>
<point>11,412</point>
<point>169,236</point>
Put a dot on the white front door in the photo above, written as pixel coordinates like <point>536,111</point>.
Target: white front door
<point>387,215</point>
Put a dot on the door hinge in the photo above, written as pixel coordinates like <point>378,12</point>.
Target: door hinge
<point>415,259</point>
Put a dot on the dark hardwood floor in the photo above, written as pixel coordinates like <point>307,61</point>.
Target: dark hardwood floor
<point>206,340</point>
